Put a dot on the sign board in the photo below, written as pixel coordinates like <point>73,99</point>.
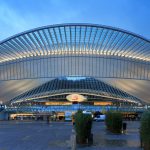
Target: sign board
<point>76,98</point>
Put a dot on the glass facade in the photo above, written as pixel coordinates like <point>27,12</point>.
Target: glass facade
<point>59,88</point>
<point>72,108</point>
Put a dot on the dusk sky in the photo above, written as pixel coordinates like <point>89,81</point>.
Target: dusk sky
<point>21,15</point>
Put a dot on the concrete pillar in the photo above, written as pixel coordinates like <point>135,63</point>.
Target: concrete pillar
<point>73,140</point>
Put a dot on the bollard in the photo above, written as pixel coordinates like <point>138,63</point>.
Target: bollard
<point>73,140</point>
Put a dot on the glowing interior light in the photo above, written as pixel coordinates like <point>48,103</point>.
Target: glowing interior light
<point>105,52</point>
<point>108,52</point>
<point>74,51</point>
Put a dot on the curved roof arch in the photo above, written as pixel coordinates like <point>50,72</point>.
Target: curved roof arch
<point>75,24</point>
<point>104,39</point>
<point>93,46</point>
<point>102,52</point>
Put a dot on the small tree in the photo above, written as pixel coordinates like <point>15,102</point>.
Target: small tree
<point>83,125</point>
<point>145,130</point>
<point>114,122</point>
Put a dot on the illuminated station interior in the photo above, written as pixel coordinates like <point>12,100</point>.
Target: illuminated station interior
<point>55,69</point>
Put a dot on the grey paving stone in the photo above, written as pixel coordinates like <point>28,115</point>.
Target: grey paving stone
<point>16,135</point>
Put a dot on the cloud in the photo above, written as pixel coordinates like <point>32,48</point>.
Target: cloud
<point>14,20</point>
<point>8,16</point>
<point>10,21</point>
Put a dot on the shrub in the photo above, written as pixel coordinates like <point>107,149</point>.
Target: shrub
<point>83,125</point>
<point>145,130</point>
<point>114,122</point>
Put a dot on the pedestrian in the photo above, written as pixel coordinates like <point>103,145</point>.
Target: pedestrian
<point>124,127</point>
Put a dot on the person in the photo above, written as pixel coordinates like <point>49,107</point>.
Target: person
<point>124,127</point>
<point>73,120</point>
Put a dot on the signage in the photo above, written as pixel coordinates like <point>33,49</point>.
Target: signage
<point>76,98</point>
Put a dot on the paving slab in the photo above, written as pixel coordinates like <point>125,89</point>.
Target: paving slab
<point>31,135</point>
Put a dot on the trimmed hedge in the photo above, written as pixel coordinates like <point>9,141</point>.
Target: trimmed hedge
<point>145,130</point>
<point>83,125</point>
<point>114,122</point>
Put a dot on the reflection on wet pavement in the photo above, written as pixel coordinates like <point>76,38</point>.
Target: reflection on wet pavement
<point>107,141</point>
<point>56,136</point>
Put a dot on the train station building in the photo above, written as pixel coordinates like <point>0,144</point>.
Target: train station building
<point>66,67</point>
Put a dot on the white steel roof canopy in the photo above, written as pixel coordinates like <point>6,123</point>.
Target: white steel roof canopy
<point>46,45</point>
<point>99,51</point>
<point>104,39</point>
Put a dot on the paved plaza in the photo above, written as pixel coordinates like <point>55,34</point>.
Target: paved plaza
<point>16,135</point>
<point>104,140</point>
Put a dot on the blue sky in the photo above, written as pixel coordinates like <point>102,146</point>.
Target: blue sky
<point>20,15</point>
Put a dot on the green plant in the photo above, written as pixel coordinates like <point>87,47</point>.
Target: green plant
<point>114,121</point>
<point>83,125</point>
<point>145,130</point>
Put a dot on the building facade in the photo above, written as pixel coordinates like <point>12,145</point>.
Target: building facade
<point>40,56</point>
